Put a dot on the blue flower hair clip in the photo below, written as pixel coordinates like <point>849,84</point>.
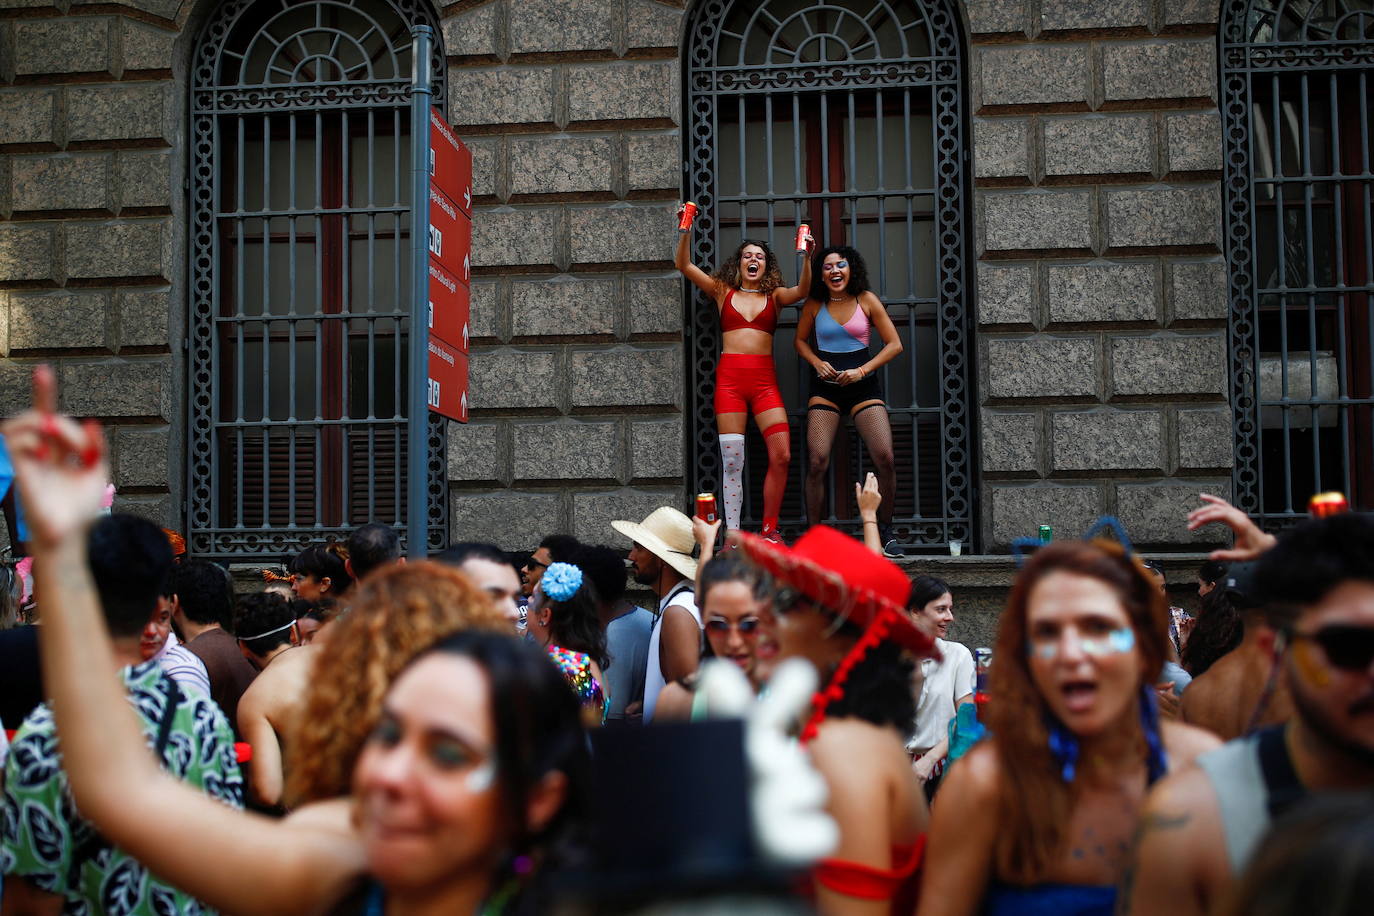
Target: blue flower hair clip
<point>1022,547</point>
<point>561,581</point>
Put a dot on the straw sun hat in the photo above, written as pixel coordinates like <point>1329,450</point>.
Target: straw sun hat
<point>667,534</point>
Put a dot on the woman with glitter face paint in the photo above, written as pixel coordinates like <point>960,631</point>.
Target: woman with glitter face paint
<point>748,292</point>
<point>464,793</point>
<point>1040,817</point>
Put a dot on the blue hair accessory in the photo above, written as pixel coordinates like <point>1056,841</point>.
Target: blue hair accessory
<point>1155,761</point>
<point>561,581</point>
<point>1064,747</point>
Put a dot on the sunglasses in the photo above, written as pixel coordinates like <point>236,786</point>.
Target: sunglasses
<point>532,563</point>
<point>721,627</point>
<point>1346,646</point>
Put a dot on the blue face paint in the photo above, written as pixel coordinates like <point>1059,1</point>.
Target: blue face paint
<point>1117,641</point>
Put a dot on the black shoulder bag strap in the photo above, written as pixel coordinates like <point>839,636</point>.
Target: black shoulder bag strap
<point>1280,779</point>
<point>96,842</point>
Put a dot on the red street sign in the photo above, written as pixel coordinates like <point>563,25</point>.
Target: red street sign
<point>448,307</point>
<point>450,235</point>
<point>448,381</point>
<point>450,162</point>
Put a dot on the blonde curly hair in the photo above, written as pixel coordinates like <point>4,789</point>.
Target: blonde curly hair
<point>396,613</point>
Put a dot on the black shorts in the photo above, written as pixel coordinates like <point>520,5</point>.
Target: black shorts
<point>845,397</point>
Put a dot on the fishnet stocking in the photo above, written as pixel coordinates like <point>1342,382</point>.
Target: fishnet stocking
<point>820,438</point>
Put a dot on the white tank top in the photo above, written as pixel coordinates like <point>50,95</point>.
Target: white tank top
<point>680,595</point>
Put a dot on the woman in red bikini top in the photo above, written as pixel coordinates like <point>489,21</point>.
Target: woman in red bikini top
<point>748,292</point>
<point>842,608</point>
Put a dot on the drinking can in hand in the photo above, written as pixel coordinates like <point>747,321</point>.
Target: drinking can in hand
<point>685,216</point>
<point>803,233</point>
<point>706,507</point>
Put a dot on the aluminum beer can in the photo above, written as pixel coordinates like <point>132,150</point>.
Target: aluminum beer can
<point>686,215</point>
<point>1323,505</point>
<point>1046,534</point>
<point>706,507</point>
<point>803,233</point>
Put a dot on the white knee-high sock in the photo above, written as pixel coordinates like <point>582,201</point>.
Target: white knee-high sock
<point>732,476</point>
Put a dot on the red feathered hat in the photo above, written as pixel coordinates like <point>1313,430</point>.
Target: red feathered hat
<point>844,578</point>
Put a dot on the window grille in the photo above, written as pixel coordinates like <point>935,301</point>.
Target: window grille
<point>847,115</point>
<point>1296,102</point>
<point>299,296</point>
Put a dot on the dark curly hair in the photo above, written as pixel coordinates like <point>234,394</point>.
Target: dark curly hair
<point>266,616</point>
<point>858,272</point>
<point>878,689</point>
<point>1218,630</point>
<point>728,274</point>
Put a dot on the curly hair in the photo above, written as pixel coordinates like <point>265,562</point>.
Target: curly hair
<point>397,613</point>
<point>1035,802</point>
<point>574,624</point>
<point>728,274</point>
<point>858,272</point>
<point>878,689</point>
<point>1218,630</point>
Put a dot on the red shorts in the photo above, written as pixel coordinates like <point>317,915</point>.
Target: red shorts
<point>746,383</point>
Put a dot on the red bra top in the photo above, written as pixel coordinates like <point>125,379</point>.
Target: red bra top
<point>732,320</point>
<point>898,884</point>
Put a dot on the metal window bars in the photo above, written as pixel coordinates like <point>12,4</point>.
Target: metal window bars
<point>847,115</point>
<point>1300,236</point>
<point>299,296</point>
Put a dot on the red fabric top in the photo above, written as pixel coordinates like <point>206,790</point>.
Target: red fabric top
<point>900,884</point>
<point>732,320</point>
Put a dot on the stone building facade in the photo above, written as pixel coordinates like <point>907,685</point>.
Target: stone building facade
<point>1096,296</point>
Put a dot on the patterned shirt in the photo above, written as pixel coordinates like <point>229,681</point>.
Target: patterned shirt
<point>45,840</point>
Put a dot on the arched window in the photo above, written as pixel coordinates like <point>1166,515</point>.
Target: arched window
<point>299,296</point>
<point>847,115</point>
<point>1299,112</point>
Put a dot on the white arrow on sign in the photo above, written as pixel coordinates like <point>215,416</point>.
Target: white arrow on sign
<point>467,197</point>
<point>466,265</point>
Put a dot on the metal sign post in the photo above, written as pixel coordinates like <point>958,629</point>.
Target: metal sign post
<point>417,474</point>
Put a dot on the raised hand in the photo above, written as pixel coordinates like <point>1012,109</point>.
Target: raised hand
<point>868,496</point>
<point>1250,540</point>
<point>60,466</point>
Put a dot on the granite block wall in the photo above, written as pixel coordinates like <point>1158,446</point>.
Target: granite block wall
<point>91,227</point>
<point>1102,357</point>
<point>572,109</point>
<point>1098,292</point>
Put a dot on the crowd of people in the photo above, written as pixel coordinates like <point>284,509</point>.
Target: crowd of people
<point>787,729</point>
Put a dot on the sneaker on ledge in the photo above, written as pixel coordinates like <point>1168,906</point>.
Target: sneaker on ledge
<point>773,536</point>
<point>891,549</point>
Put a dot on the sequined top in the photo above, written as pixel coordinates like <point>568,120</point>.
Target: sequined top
<point>577,668</point>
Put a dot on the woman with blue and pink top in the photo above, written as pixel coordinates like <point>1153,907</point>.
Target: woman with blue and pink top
<point>843,313</point>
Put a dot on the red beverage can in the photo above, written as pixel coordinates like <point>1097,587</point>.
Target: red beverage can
<point>1327,504</point>
<point>686,215</point>
<point>803,233</point>
<point>706,507</point>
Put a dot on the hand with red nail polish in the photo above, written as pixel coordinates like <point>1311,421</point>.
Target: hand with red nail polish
<point>59,465</point>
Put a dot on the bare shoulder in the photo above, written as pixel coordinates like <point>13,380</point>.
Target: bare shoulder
<point>1184,743</point>
<point>845,739</point>
<point>871,302</point>
<point>1185,790</point>
<point>977,775</point>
